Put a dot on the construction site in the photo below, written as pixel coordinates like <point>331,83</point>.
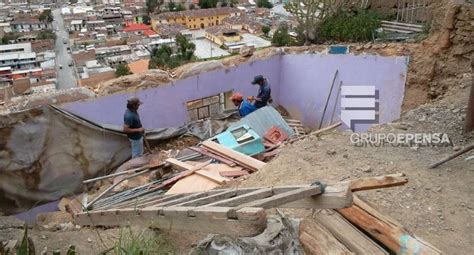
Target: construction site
<point>368,151</point>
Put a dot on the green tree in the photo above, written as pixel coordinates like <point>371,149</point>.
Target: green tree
<point>179,8</point>
<point>122,70</point>
<point>146,19</point>
<point>171,6</point>
<point>46,34</point>
<point>350,26</point>
<point>266,30</point>
<point>264,4</point>
<point>9,37</point>
<point>206,4</point>
<point>185,48</point>
<point>151,6</point>
<point>281,36</point>
<point>47,16</point>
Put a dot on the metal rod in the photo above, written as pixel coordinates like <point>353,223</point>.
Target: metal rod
<point>327,100</point>
<point>115,174</point>
<point>335,104</point>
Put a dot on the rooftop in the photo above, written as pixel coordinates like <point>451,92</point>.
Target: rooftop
<point>197,13</point>
<point>136,27</point>
<point>220,30</point>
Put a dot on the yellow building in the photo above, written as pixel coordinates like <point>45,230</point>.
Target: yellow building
<point>195,19</point>
<point>221,35</point>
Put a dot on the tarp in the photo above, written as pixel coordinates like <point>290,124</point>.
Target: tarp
<point>45,154</point>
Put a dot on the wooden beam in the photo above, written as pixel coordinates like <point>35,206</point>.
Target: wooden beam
<point>248,162</point>
<point>235,201</point>
<point>347,234</point>
<point>283,198</point>
<point>179,164</point>
<point>316,239</point>
<point>386,230</point>
<point>212,155</point>
<point>249,222</point>
<point>335,196</point>
<point>211,176</point>
<point>455,155</point>
<point>378,182</point>
<point>225,194</point>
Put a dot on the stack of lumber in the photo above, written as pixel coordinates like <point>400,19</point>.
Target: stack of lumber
<point>360,228</point>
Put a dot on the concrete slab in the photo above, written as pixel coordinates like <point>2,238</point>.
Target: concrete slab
<point>208,49</point>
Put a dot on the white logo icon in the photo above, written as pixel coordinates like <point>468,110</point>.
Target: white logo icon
<point>359,105</point>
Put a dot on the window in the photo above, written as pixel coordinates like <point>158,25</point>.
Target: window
<point>207,107</point>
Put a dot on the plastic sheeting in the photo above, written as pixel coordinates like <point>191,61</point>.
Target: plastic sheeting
<point>276,239</point>
<point>45,154</point>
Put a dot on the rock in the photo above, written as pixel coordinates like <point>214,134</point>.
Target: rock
<point>345,155</point>
<point>52,219</point>
<point>89,240</point>
<point>456,148</point>
<point>44,251</point>
<point>7,222</point>
<point>43,237</point>
<point>331,152</point>
<point>456,110</point>
<point>367,169</point>
<point>469,158</point>
<point>66,226</point>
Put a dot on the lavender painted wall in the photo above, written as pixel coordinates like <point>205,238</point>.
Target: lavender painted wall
<point>164,106</point>
<point>304,91</point>
<point>300,83</point>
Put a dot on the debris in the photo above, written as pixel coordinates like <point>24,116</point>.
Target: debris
<point>52,219</point>
<point>331,152</point>
<point>378,182</point>
<point>367,169</point>
<point>233,173</point>
<point>275,135</point>
<point>63,203</point>
<point>242,139</point>
<point>244,160</point>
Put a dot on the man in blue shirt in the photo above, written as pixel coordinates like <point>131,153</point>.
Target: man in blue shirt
<point>132,126</point>
<point>245,108</point>
<point>264,92</point>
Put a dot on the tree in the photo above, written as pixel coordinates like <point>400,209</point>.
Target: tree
<point>192,7</point>
<point>46,34</point>
<point>206,4</point>
<point>281,36</point>
<point>151,6</point>
<point>46,16</point>
<point>9,37</point>
<point>185,48</point>
<point>266,30</point>
<point>264,4</point>
<point>179,8</point>
<point>310,12</point>
<point>146,19</point>
<point>122,70</point>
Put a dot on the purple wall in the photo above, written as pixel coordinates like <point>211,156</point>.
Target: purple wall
<point>306,79</point>
<point>164,106</point>
<point>300,83</point>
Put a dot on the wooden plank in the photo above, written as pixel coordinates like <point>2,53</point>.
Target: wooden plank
<point>235,201</point>
<point>378,182</point>
<point>192,183</point>
<point>250,221</point>
<point>203,151</point>
<point>236,173</point>
<point>211,176</point>
<point>386,230</point>
<point>187,198</point>
<point>335,196</point>
<point>283,198</point>
<point>251,163</point>
<point>347,234</point>
<point>316,239</point>
<point>179,164</point>
<point>225,194</point>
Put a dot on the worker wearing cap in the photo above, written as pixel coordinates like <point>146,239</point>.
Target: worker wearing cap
<point>264,92</point>
<point>132,126</point>
<point>245,108</point>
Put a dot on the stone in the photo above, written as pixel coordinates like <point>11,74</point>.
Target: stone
<point>89,240</point>
<point>331,152</point>
<point>456,148</point>
<point>367,169</point>
<point>469,158</point>
<point>345,155</point>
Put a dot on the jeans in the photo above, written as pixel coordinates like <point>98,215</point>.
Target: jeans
<point>137,147</point>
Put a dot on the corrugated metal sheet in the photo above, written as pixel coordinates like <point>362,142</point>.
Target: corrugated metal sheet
<point>263,119</point>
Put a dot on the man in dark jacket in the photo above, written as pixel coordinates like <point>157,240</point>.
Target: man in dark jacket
<point>132,126</point>
<point>264,92</point>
